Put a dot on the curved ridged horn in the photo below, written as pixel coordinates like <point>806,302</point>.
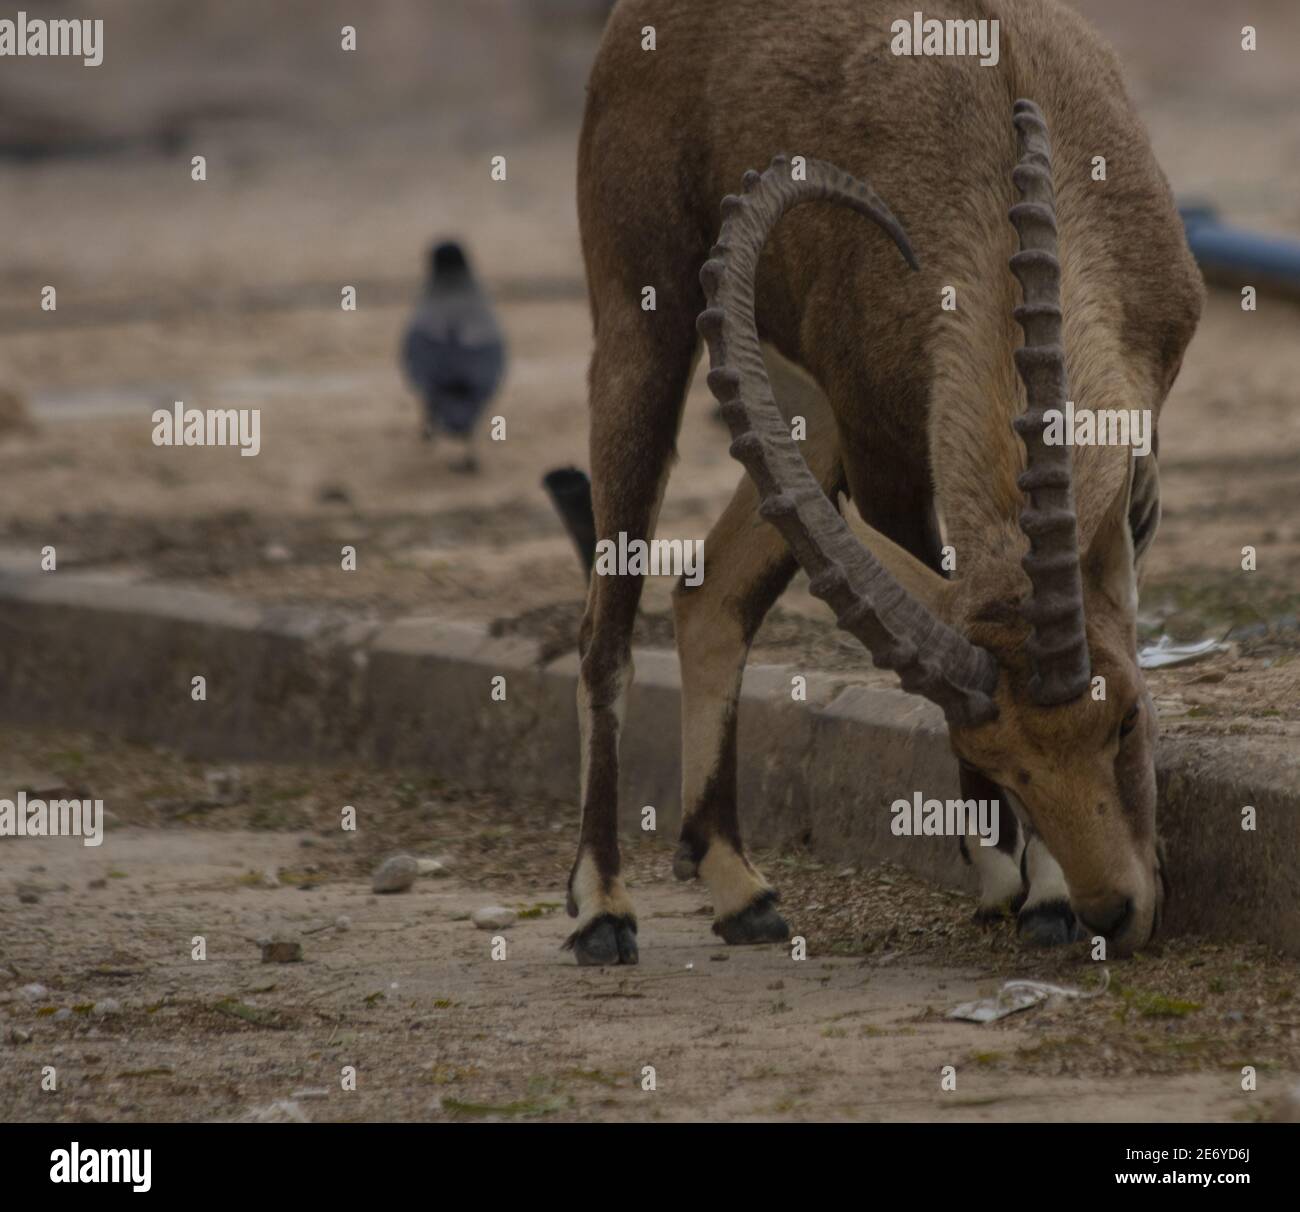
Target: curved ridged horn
<point>901,634</point>
<point>1058,645</point>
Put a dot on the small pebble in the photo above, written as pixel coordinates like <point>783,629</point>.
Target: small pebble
<point>61,1015</point>
<point>429,867</point>
<point>17,1035</point>
<point>34,993</point>
<point>396,874</point>
<point>270,878</point>
<point>29,894</point>
<point>493,917</point>
<point>102,1009</point>
<point>342,922</point>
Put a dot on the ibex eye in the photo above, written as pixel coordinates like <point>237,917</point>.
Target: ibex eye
<point>1130,718</point>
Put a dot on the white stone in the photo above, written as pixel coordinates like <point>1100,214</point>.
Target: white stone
<point>493,917</point>
<point>396,874</point>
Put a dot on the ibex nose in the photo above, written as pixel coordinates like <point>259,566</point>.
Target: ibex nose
<point>1107,917</point>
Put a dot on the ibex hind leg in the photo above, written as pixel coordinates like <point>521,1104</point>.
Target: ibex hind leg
<point>1002,888</point>
<point>1045,919</point>
<point>639,374</point>
<point>747,565</point>
<point>1019,875</point>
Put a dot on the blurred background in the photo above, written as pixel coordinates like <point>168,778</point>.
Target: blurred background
<point>328,168</point>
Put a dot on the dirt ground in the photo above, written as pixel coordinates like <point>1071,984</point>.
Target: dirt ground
<point>407,992</point>
<point>226,294</point>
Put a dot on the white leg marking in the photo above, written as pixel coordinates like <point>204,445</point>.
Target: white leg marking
<point>591,900</point>
<point>999,873</point>
<point>733,882</point>
<point>1046,879</point>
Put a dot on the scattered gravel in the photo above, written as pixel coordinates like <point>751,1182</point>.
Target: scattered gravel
<point>396,874</point>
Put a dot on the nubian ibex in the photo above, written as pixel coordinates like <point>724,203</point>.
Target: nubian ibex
<point>1048,218</point>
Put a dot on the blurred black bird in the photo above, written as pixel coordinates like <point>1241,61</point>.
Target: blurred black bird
<point>453,353</point>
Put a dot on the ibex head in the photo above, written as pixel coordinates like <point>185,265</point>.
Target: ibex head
<point>1010,661</point>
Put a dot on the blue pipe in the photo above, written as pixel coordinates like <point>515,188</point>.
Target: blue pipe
<point>1229,256</point>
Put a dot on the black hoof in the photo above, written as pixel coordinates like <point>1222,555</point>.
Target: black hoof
<point>1051,924</point>
<point>605,940</point>
<point>685,865</point>
<point>757,922</point>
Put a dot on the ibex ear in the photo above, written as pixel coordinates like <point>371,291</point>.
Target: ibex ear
<point>1109,564</point>
<point>928,587</point>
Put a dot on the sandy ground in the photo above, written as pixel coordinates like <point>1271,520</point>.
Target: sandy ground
<point>226,294</point>
<point>410,995</point>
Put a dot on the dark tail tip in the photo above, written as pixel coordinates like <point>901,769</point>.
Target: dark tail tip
<point>570,492</point>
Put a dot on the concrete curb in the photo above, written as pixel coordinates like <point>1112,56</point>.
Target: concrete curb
<point>102,652</point>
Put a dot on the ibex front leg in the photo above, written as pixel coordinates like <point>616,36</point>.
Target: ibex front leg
<point>639,374</point>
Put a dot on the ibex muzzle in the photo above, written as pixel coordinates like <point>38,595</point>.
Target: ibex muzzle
<point>938,427</point>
